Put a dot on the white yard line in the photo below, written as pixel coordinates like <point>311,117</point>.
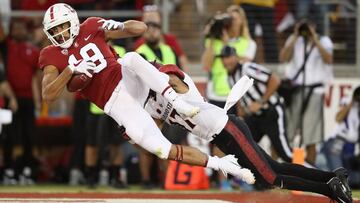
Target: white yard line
<point>60,200</point>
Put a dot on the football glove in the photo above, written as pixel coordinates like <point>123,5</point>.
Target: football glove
<point>111,24</point>
<point>83,67</point>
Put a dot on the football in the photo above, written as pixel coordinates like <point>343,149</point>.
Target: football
<point>78,81</point>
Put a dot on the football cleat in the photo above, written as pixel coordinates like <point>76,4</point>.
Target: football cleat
<point>339,191</point>
<point>342,174</point>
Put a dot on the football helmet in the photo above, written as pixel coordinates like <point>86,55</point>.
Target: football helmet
<point>58,14</point>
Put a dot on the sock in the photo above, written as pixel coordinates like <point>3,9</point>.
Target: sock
<point>213,163</point>
<point>295,183</point>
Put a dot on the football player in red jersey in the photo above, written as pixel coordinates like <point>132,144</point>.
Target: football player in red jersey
<point>118,86</point>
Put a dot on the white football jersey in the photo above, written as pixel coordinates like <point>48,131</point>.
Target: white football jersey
<point>210,121</point>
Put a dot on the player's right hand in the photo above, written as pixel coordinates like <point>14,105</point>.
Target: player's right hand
<point>83,67</point>
<point>111,24</point>
<point>229,164</point>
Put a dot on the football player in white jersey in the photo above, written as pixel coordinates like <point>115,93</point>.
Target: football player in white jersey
<point>232,136</point>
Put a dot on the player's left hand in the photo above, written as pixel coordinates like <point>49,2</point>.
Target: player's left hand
<point>111,24</point>
<point>255,107</point>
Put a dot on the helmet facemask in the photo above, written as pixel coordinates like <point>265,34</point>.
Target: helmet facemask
<point>59,39</point>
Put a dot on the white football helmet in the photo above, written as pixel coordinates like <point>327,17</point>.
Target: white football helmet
<point>58,14</point>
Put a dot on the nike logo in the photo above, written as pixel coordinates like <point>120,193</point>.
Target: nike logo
<point>86,38</point>
<point>77,63</point>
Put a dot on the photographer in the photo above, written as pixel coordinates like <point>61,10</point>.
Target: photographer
<point>309,70</point>
<point>346,131</point>
<point>223,29</point>
<point>231,29</point>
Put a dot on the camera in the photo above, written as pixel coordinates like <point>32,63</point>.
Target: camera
<point>304,29</point>
<point>218,23</point>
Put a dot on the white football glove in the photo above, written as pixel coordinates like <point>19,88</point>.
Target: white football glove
<point>111,24</point>
<point>229,164</point>
<point>83,67</point>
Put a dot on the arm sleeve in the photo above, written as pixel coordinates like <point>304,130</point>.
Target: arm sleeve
<point>44,58</point>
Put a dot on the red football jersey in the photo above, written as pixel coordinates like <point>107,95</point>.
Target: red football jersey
<point>90,45</point>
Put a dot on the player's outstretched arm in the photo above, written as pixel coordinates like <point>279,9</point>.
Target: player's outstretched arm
<point>53,83</point>
<point>117,30</point>
<point>227,164</point>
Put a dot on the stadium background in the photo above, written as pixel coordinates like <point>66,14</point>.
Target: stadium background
<point>186,20</point>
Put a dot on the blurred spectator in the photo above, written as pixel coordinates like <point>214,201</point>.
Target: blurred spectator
<point>262,12</point>
<point>20,59</point>
<point>225,29</point>
<point>310,69</point>
<point>78,134</point>
<point>7,92</point>
<point>312,9</point>
<point>152,14</point>
<point>155,50</point>
<point>102,132</point>
<point>345,131</point>
<point>6,175</point>
<point>345,137</point>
